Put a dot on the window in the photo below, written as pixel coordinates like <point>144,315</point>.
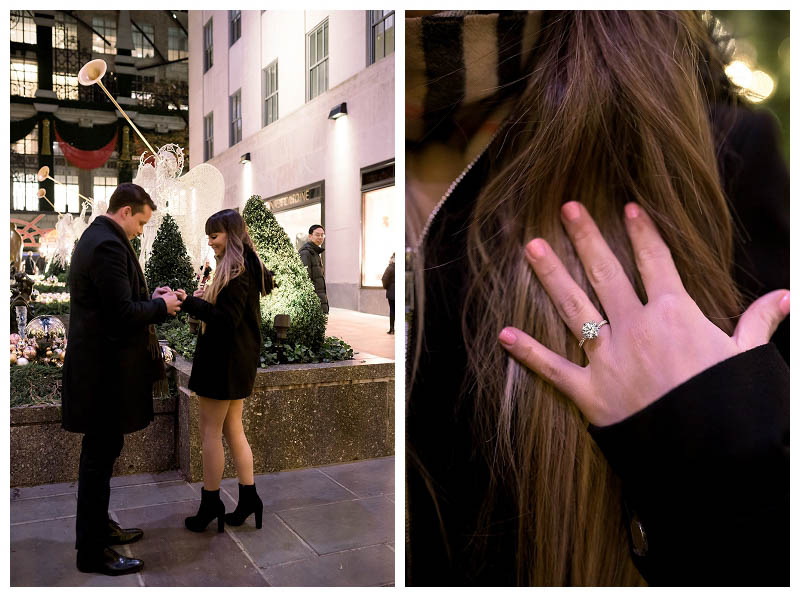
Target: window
<point>142,47</point>
<point>65,33</point>
<point>103,187</point>
<point>24,189</point>
<point>208,148</point>
<point>177,47</point>
<point>28,145</point>
<point>208,44</point>
<point>317,52</point>
<point>381,27</point>
<point>65,85</point>
<point>23,28</point>
<point>236,117</point>
<point>66,194</point>
<point>24,77</point>
<point>107,27</point>
<point>378,222</point>
<point>235,17</point>
<point>271,93</point>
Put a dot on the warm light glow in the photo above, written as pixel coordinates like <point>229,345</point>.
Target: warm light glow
<point>756,86</point>
<point>761,87</point>
<point>247,182</point>
<point>739,73</point>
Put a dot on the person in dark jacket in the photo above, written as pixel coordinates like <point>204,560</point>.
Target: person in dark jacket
<point>511,477</point>
<point>109,369</point>
<point>388,283</point>
<point>311,255</point>
<point>225,361</point>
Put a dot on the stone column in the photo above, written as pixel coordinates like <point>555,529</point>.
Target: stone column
<point>46,100</point>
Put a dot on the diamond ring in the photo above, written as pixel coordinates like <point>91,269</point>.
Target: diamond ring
<point>590,330</point>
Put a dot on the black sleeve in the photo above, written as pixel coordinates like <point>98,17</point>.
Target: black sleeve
<point>229,309</point>
<point>305,257</point>
<point>705,473</point>
<point>109,275</point>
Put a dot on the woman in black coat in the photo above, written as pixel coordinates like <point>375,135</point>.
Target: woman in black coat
<point>388,283</point>
<point>225,363</point>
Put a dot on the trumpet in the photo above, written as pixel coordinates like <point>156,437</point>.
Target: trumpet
<point>42,194</point>
<point>44,174</point>
<point>91,73</point>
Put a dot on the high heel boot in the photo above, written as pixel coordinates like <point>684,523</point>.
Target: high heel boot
<point>211,507</point>
<point>249,503</point>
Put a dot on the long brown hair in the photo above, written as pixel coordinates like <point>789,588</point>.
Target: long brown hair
<point>232,262</point>
<point>616,109</point>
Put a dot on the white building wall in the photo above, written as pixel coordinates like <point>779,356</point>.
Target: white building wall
<point>304,146</point>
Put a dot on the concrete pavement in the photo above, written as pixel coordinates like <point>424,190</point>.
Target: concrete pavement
<point>323,526</point>
<point>365,332</point>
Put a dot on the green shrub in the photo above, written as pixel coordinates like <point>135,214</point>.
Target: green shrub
<point>295,294</point>
<point>169,264</point>
<point>54,308</point>
<point>42,287</point>
<point>35,384</point>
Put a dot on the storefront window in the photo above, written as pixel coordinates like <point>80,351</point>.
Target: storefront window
<point>378,234</point>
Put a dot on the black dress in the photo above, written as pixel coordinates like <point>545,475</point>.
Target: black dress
<point>227,353</point>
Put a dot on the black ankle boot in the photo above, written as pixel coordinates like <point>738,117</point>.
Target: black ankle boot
<point>249,503</point>
<point>211,507</point>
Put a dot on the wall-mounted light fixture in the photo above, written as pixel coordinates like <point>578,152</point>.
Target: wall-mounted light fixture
<point>338,111</point>
<point>245,158</point>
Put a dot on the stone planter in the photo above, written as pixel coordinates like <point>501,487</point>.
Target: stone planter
<point>42,452</point>
<point>302,415</point>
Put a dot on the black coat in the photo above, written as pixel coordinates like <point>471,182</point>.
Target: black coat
<point>310,254</point>
<point>388,281</point>
<point>227,353</point>
<point>704,469</point>
<point>108,369</point>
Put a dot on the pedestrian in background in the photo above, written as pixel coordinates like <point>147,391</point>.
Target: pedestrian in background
<point>388,283</point>
<point>311,255</point>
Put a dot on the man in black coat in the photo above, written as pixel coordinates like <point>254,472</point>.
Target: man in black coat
<point>310,254</point>
<point>112,361</point>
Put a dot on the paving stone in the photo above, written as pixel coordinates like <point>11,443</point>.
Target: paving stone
<point>365,478</point>
<point>137,496</point>
<point>344,525</point>
<point>144,478</point>
<point>369,566</point>
<point>43,508</point>
<point>293,489</point>
<point>21,493</point>
<point>175,556</point>
<point>273,543</point>
<point>43,555</point>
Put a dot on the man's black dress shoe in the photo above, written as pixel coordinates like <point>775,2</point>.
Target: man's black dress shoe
<point>120,536</point>
<point>107,562</point>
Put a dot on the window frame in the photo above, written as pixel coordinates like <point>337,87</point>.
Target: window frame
<point>147,50</point>
<point>317,63</point>
<point>371,25</point>
<point>30,86</point>
<point>235,129</point>
<point>179,35</point>
<point>27,24</point>
<point>269,94</point>
<point>108,23</point>
<point>234,26</point>
<point>208,136</point>
<point>208,45</point>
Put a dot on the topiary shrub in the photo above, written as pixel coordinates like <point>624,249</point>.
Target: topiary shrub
<point>136,243</point>
<point>295,294</point>
<point>169,264</point>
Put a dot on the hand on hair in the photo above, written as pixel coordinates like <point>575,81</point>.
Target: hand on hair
<point>646,350</point>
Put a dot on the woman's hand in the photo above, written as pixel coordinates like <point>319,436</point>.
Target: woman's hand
<point>181,294</point>
<point>646,350</point>
<point>199,292</point>
<point>161,291</point>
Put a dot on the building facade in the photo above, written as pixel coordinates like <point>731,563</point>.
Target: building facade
<point>298,107</point>
<point>75,130</point>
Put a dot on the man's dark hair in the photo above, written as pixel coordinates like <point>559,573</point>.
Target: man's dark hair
<point>314,227</point>
<point>130,194</point>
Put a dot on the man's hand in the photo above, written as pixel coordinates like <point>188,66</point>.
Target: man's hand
<point>172,301</point>
<point>161,291</point>
<point>181,294</point>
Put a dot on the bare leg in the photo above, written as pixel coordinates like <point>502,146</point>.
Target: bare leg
<point>234,433</point>
<point>212,416</point>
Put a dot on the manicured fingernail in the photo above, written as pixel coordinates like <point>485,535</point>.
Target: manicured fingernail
<point>632,211</point>
<point>507,337</point>
<point>784,304</point>
<point>571,210</point>
<point>536,248</point>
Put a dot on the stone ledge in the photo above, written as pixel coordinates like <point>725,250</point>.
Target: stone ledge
<point>51,413</point>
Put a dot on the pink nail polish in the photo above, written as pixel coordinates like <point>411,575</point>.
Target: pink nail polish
<point>632,211</point>
<point>536,248</point>
<point>784,304</point>
<point>507,337</point>
<point>571,211</point>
